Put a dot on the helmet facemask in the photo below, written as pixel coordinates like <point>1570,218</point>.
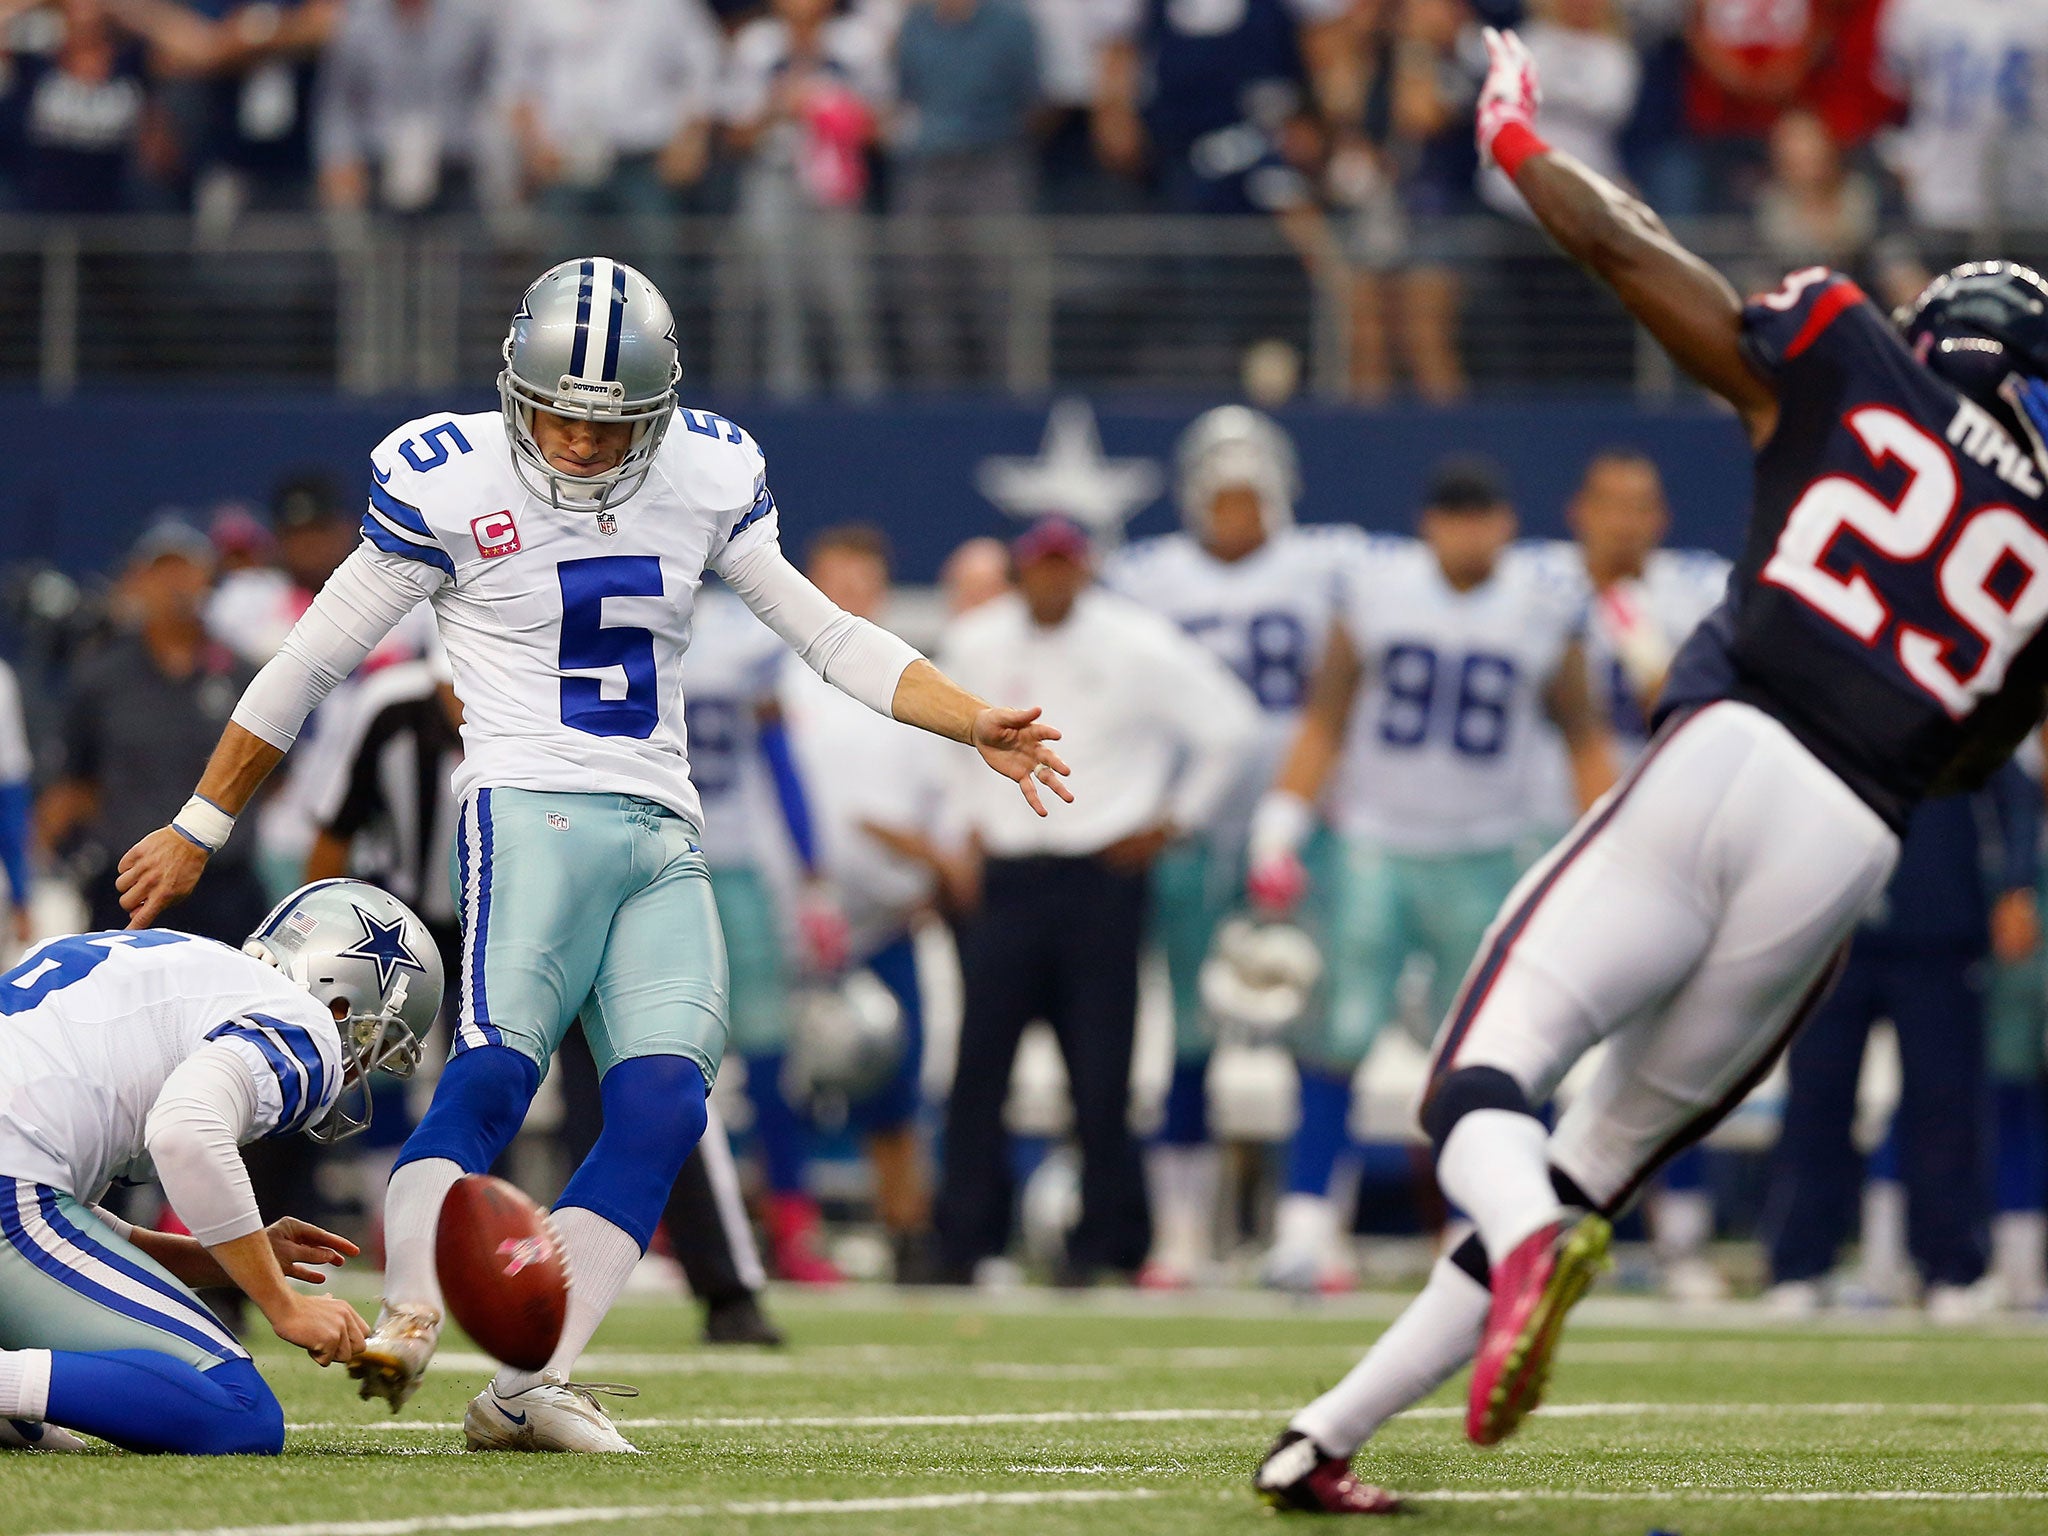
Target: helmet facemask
<point>370,1042</point>
<point>2027,400</point>
<point>572,400</point>
<point>366,958</point>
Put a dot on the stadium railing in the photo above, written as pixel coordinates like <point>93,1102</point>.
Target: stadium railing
<point>1143,304</point>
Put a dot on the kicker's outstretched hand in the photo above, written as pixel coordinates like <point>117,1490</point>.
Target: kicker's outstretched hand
<point>1017,744</point>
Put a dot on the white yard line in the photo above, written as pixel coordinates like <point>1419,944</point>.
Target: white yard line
<point>600,1514</point>
<point>1727,1496</point>
<point>1227,1415</point>
<point>632,1363</point>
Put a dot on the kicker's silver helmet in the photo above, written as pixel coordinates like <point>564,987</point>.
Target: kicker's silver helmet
<point>592,339</point>
<point>348,942</point>
<point>1236,445</point>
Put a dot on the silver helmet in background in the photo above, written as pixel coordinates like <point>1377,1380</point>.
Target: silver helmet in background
<point>592,339</point>
<point>347,942</point>
<point>1236,445</point>
<point>846,1038</point>
<point>1259,980</point>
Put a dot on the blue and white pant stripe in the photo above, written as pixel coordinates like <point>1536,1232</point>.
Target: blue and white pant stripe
<point>473,851</point>
<point>38,1231</point>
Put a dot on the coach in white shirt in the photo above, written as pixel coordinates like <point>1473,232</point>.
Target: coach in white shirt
<point>1157,728</point>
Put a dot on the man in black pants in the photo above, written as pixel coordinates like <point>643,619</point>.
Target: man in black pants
<point>1160,728</point>
<point>1918,961</point>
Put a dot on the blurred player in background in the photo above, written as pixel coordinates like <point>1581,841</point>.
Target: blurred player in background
<point>17,768</point>
<point>1646,601</point>
<point>131,1056</point>
<point>880,851</point>
<point>1421,743</point>
<point>1695,918</point>
<point>561,542</point>
<point>1261,593</point>
<point>739,761</point>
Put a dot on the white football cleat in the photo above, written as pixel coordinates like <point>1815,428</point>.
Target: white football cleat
<point>557,1415</point>
<point>28,1435</point>
<point>395,1356</point>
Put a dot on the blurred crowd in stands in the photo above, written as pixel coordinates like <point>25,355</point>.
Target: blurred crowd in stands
<point>1818,125</point>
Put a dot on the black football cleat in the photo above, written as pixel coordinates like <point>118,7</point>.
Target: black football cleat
<point>740,1320</point>
<point>1299,1476</point>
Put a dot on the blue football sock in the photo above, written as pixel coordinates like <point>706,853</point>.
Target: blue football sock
<point>144,1401</point>
<point>654,1114</point>
<point>479,1105</point>
<point>1687,1171</point>
<point>1322,1136</point>
<point>779,1130</point>
<point>1186,1123</point>
<point>2021,1182</point>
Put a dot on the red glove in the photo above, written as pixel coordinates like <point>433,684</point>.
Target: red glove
<point>1277,885</point>
<point>1508,103</point>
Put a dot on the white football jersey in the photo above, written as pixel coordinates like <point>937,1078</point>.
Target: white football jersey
<point>91,1027</point>
<point>1678,588</point>
<point>1974,148</point>
<point>729,675</point>
<point>1445,746</point>
<point>1267,617</point>
<point>566,628</point>
<point>15,762</point>
<point>902,783</point>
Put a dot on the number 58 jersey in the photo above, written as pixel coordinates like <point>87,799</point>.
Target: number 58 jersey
<point>1444,751</point>
<point>1890,597</point>
<point>566,627</point>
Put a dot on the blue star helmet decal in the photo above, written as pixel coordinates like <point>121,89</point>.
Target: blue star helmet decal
<point>383,943</point>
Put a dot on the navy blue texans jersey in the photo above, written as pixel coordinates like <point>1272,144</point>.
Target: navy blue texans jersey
<point>1894,582</point>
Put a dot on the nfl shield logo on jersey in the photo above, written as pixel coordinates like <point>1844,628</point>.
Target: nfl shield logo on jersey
<point>607,522</point>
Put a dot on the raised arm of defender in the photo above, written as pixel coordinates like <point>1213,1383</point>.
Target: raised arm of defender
<point>1690,308</point>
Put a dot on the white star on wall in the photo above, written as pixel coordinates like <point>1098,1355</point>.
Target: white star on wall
<point>1071,477</point>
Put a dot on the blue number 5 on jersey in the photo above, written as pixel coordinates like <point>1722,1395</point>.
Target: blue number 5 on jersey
<point>589,644</point>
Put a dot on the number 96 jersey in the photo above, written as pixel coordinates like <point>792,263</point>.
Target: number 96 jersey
<point>1889,601</point>
<point>566,627</point>
<point>1443,754</point>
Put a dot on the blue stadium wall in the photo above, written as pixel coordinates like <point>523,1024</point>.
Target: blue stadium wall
<point>84,475</point>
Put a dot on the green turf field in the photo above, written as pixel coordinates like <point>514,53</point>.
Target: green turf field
<point>950,1414</point>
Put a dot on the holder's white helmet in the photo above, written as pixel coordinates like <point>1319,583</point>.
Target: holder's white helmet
<point>348,942</point>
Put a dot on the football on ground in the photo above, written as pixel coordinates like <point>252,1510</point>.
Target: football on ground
<point>501,1271</point>
<point>1109,1415</point>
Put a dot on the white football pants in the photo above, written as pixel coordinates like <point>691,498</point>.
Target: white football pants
<point>1692,918</point>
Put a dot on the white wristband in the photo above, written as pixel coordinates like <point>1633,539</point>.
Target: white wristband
<point>1280,825</point>
<point>204,823</point>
